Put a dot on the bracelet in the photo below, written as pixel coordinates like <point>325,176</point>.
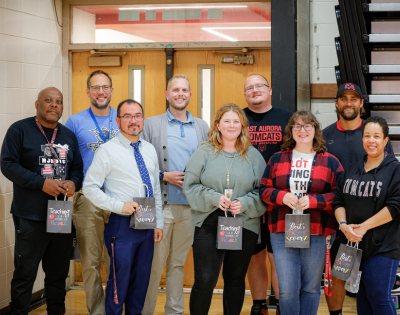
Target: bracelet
<point>341,223</point>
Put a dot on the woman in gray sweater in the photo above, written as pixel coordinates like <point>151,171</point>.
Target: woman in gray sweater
<point>222,178</point>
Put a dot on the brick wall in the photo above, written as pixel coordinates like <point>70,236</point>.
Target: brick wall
<point>30,60</point>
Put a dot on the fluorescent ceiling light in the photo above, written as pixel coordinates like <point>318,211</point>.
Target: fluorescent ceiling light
<point>212,30</point>
<point>112,36</point>
<point>207,29</point>
<point>188,7</point>
<point>241,28</point>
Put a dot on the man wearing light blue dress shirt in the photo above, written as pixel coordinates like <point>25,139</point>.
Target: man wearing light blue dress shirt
<point>175,135</point>
<point>131,251</point>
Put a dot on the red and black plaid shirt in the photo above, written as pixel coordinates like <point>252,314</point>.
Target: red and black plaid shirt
<point>321,190</point>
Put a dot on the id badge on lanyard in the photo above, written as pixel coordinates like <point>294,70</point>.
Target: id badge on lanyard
<point>52,154</point>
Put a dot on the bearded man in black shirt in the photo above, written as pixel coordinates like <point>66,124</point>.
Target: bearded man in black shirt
<point>40,170</point>
<point>344,141</point>
<point>266,127</point>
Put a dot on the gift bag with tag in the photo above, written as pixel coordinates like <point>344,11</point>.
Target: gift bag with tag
<point>297,230</point>
<point>145,217</point>
<point>347,262</point>
<point>229,233</point>
<point>353,286</point>
<point>59,216</point>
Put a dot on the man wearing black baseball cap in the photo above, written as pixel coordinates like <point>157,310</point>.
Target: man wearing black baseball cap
<point>344,140</point>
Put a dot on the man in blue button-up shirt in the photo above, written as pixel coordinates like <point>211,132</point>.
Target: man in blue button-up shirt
<point>175,136</point>
<point>131,250</point>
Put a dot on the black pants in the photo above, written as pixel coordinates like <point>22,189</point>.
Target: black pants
<point>32,245</point>
<point>207,265</point>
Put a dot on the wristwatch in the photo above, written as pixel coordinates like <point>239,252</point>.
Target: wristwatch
<point>162,175</point>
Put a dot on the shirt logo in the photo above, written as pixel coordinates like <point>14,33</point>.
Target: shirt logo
<point>263,135</point>
<point>47,161</point>
<point>330,141</point>
<point>95,145</point>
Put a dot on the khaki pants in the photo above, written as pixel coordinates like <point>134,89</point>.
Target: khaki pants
<point>172,251</point>
<point>89,222</point>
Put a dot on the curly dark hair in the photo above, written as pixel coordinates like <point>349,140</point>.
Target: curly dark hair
<point>308,118</point>
<point>378,120</point>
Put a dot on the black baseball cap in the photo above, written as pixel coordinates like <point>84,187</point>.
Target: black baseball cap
<point>349,87</point>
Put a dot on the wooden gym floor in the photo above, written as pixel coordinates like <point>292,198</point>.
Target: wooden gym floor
<point>76,305</point>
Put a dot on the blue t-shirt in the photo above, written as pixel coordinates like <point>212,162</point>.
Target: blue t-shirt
<point>89,139</point>
<point>182,142</point>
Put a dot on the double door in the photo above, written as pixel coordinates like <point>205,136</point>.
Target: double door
<point>223,84</point>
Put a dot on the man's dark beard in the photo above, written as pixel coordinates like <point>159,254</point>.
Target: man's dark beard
<point>340,112</point>
<point>94,103</point>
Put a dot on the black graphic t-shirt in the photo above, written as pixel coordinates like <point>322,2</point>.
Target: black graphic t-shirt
<point>267,130</point>
<point>26,160</point>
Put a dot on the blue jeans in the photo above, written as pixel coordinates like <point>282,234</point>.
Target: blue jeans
<point>377,280</point>
<point>299,273</point>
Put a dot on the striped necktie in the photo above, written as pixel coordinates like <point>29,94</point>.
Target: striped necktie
<point>143,169</point>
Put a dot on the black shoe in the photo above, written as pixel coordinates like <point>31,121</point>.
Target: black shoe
<point>258,309</point>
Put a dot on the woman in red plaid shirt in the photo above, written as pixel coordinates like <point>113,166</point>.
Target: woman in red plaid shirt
<point>303,176</point>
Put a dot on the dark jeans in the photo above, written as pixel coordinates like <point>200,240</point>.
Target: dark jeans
<point>207,265</point>
<point>32,245</point>
<point>133,256</point>
<point>377,280</point>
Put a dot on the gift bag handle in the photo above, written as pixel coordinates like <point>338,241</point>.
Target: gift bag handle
<point>234,216</point>
<point>146,190</point>
<point>351,244</point>
<point>65,196</point>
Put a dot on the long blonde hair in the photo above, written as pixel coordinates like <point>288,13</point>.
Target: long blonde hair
<point>242,142</point>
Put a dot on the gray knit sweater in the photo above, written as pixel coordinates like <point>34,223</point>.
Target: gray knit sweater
<point>205,181</point>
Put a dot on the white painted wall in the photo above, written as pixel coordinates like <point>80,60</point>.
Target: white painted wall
<point>323,30</point>
<point>83,27</point>
<point>30,60</point>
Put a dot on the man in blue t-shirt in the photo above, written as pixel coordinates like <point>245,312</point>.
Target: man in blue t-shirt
<point>93,127</point>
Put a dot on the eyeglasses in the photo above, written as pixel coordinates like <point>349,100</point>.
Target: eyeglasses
<point>128,117</point>
<point>96,88</point>
<point>306,127</point>
<point>259,86</point>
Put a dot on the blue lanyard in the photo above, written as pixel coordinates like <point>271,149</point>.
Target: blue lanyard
<point>98,127</point>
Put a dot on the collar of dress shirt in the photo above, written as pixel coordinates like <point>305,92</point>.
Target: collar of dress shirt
<point>172,118</point>
<point>126,142</point>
